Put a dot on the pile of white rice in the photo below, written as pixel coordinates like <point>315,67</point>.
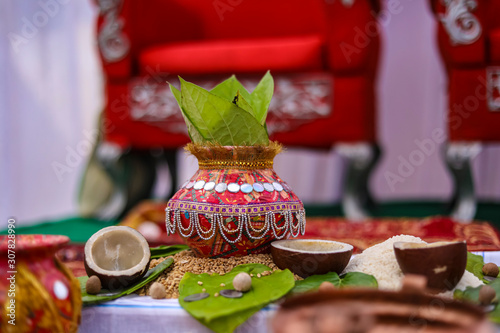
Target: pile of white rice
<point>380,261</point>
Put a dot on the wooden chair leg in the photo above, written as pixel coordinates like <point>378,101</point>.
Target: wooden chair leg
<point>360,159</point>
<point>458,157</point>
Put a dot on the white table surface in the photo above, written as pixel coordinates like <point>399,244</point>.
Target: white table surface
<point>142,314</point>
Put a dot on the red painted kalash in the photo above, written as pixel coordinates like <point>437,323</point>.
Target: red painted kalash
<point>45,295</point>
<point>235,204</point>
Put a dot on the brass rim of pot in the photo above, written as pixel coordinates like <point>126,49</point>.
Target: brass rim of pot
<point>212,156</point>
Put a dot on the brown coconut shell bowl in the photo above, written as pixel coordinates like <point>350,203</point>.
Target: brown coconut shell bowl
<point>119,256</point>
<point>306,257</point>
<point>442,263</point>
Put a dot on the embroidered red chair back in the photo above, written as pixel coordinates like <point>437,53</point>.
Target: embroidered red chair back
<point>323,55</point>
<point>469,40</point>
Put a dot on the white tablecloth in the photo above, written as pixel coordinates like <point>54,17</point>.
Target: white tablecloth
<point>143,314</point>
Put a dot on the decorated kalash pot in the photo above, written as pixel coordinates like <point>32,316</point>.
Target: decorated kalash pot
<point>235,204</point>
<point>37,292</point>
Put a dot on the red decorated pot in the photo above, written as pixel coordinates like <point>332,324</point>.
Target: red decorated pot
<point>37,292</point>
<point>235,204</point>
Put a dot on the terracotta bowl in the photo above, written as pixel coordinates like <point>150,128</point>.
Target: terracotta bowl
<point>371,310</point>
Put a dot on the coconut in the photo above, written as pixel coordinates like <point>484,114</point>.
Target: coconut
<point>442,263</point>
<point>306,257</point>
<point>119,256</point>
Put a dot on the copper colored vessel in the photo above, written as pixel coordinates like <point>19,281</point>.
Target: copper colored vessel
<point>370,310</point>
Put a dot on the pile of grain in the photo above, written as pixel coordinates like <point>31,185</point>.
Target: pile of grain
<point>380,261</point>
<point>185,261</point>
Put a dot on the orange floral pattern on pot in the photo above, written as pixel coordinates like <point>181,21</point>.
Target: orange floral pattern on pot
<point>235,204</point>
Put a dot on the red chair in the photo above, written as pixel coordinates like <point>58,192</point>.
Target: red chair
<point>323,55</point>
<point>469,41</point>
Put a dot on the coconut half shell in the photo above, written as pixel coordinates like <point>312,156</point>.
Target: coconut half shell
<point>306,257</point>
<point>118,255</point>
<point>443,263</point>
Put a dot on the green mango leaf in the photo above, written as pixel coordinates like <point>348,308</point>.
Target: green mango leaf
<point>194,135</point>
<point>223,315</point>
<point>165,250</point>
<point>261,97</point>
<point>472,295</point>
<point>218,120</point>
<point>106,295</point>
<point>351,279</point>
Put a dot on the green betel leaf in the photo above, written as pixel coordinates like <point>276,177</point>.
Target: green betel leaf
<point>228,114</point>
<point>220,121</point>
<point>223,315</point>
<point>475,265</point>
<point>241,102</point>
<point>358,279</point>
<point>472,295</point>
<point>194,135</point>
<point>106,295</point>
<point>351,279</point>
<point>312,282</point>
<point>227,89</point>
<point>261,97</point>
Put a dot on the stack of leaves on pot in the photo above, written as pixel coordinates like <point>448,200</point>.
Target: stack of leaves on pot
<point>227,115</point>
